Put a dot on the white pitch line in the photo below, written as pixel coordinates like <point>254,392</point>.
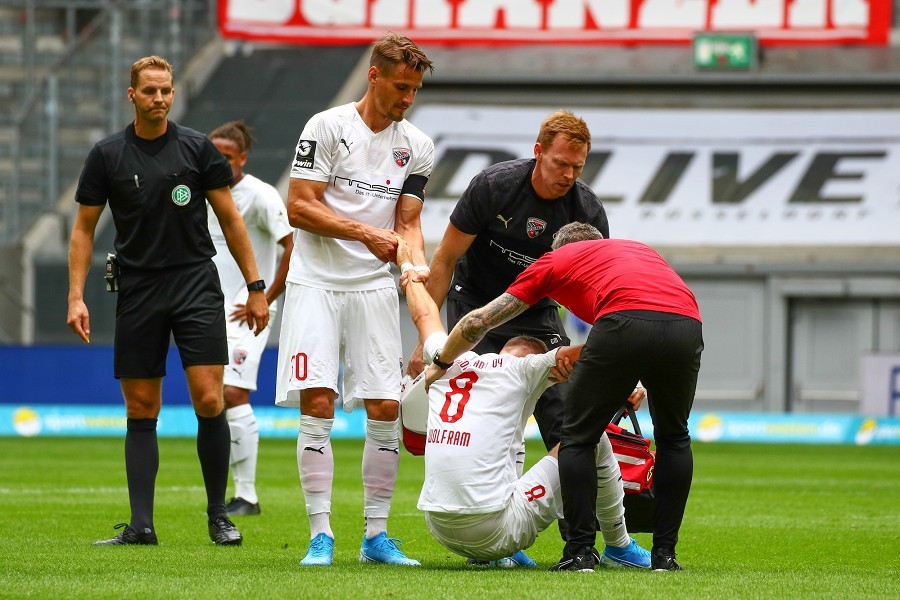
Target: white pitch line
<point>91,490</point>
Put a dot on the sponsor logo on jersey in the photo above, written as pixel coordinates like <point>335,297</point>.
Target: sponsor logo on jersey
<point>401,156</point>
<point>239,356</point>
<point>516,258</point>
<point>346,145</point>
<point>364,188</point>
<point>181,194</point>
<point>505,221</point>
<point>306,155</point>
<point>535,227</point>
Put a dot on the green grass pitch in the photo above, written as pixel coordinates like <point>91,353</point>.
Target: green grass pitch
<point>763,521</point>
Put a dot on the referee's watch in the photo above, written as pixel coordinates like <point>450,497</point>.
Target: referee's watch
<point>256,286</point>
<point>436,359</point>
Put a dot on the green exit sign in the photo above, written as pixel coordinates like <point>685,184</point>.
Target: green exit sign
<point>725,51</point>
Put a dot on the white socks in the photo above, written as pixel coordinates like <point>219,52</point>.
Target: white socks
<point>381,458</point>
<point>610,511</point>
<point>244,451</point>
<point>315,461</point>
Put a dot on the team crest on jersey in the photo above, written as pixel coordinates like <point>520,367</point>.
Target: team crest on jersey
<point>239,356</point>
<point>401,156</point>
<point>306,154</point>
<point>535,227</point>
<point>181,194</point>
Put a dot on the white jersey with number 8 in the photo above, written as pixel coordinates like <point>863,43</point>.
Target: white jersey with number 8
<point>476,423</point>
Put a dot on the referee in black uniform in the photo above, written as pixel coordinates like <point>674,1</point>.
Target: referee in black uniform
<point>156,177</point>
<point>505,221</point>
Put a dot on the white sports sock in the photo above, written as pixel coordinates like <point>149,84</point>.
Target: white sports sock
<point>320,523</point>
<point>244,450</point>
<point>381,458</point>
<point>315,462</point>
<point>610,493</point>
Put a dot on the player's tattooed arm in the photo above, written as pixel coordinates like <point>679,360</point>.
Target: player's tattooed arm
<point>471,328</point>
<point>477,323</point>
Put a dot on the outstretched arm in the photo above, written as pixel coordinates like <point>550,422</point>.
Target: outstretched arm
<point>424,312</point>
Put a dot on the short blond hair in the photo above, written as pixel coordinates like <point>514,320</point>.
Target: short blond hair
<point>149,62</point>
<point>393,49</point>
<point>566,124</point>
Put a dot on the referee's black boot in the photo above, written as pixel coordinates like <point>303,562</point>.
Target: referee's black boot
<point>130,535</point>
<point>583,560</point>
<point>223,532</point>
<point>663,559</point>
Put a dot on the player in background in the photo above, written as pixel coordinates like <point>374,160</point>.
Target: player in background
<point>477,501</point>
<point>358,177</point>
<point>265,218</point>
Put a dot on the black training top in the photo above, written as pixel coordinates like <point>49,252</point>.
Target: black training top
<point>513,228</point>
<point>155,189</point>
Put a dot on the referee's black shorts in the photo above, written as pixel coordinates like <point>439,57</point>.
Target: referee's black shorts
<point>185,302</point>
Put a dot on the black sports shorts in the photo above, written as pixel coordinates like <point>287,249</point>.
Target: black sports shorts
<point>186,303</point>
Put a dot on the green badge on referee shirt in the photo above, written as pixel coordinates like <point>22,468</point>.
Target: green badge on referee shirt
<point>181,194</point>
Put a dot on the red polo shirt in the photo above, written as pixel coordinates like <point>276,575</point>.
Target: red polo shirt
<point>597,277</point>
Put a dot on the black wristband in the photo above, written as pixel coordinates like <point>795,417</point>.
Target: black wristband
<point>256,286</point>
<point>437,360</point>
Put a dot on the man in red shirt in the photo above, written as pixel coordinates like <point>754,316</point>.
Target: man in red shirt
<point>646,327</point>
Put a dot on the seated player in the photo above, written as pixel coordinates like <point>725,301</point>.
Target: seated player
<point>476,503</point>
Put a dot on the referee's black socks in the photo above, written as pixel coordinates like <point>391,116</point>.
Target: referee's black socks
<point>141,466</point>
<point>214,448</point>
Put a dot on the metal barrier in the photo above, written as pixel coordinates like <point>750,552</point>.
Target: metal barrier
<point>73,94</point>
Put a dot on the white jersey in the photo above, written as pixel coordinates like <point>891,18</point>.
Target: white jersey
<point>476,418</point>
<point>265,218</point>
<point>365,172</point>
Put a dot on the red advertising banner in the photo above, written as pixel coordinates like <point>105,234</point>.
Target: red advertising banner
<point>774,22</point>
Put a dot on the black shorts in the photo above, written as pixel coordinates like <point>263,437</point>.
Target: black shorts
<point>186,303</point>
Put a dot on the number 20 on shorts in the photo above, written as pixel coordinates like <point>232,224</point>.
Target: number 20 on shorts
<point>299,364</point>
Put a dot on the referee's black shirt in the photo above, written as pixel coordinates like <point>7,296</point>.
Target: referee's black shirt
<point>155,189</point>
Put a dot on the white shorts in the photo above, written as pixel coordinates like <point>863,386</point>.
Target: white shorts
<point>245,350</point>
<point>534,505</point>
<point>320,329</point>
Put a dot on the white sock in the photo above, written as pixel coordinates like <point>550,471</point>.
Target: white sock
<point>381,458</point>
<point>610,493</point>
<point>244,450</point>
<point>320,523</point>
<point>315,461</point>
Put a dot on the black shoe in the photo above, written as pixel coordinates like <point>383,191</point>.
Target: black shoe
<point>223,532</point>
<point>663,559</point>
<point>130,535</point>
<point>580,562</point>
<point>240,507</point>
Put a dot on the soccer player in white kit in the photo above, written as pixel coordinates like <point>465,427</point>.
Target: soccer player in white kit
<point>358,177</point>
<point>476,502</point>
<point>265,217</point>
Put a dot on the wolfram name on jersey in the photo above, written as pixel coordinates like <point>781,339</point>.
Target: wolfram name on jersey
<point>448,437</point>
